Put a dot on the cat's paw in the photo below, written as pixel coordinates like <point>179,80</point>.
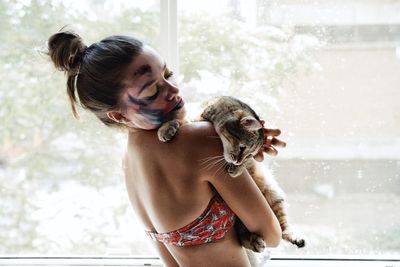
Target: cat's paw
<point>254,242</point>
<point>168,130</point>
<point>294,239</point>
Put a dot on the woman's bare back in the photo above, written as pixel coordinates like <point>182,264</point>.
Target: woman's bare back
<point>168,190</point>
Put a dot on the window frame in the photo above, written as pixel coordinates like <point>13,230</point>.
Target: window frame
<point>169,33</point>
<point>276,261</point>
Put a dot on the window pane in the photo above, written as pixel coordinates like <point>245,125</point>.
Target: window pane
<point>326,73</point>
<point>62,190</point>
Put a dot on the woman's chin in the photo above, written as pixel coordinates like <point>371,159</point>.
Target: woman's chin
<point>144,126</point>
<point>181,113</point>
<point>177,115</point>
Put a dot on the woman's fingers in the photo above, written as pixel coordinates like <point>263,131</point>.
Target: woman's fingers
<point>271,132</point>
<point>265,149</point>
<point>272,141</point>
<point>278,143</point>
<point>270,150</point>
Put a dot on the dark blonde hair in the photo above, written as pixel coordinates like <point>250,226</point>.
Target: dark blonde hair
<point>93,73</point>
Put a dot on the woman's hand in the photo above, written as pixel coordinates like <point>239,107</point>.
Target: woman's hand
<point>270,143</point>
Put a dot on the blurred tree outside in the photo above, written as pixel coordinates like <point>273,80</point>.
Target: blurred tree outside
<point>55,169</point>
<point>254,62</point>
<point>42,146</point>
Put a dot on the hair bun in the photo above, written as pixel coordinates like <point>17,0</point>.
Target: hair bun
<point>66,50</point>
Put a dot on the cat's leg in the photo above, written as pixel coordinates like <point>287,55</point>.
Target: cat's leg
<point>278,206</point>
<point>168,130</point>
<point>276,199</point>
<point>247,239</point>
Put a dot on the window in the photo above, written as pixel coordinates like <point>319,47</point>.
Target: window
<point>325,72</point>
<point>62,190</point>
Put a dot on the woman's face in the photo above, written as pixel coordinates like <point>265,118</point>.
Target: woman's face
<point>151,96</point>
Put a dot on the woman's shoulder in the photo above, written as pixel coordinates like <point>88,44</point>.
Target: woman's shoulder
<point>196,129</point>
<point>196,138</point>
<point>197,144</point>
<point>199,136</point>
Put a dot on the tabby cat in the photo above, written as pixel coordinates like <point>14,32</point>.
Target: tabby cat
<point>242,136</point>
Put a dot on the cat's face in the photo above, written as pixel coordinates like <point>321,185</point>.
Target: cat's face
<point>242,138</point>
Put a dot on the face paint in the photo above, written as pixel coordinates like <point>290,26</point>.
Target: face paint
<point>144,101</point>
<point>151,95</point>
<point>154,117</point>
<point>157,117</point>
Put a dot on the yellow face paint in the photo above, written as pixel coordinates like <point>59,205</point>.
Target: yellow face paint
<point>167,73</point>
<point>150,91</point>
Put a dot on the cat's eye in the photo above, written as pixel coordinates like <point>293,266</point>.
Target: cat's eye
<point>242,148</point>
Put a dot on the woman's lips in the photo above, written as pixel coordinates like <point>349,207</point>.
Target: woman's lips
<point>178,105</point>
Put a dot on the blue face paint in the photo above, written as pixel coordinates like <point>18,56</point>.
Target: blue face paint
<point>135,101</point>
<point>149,112</point>
<point>157,116</point>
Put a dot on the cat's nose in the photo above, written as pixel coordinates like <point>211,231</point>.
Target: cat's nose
<point>238,160</point>
<point>240,156</point>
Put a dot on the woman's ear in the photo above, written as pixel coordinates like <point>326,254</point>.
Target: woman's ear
<point>117,117</point>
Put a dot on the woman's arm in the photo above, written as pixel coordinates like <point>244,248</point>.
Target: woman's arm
<point>241,193</point>
<point>245,199</point>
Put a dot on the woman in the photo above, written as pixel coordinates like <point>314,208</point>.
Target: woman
<point>125,83</point>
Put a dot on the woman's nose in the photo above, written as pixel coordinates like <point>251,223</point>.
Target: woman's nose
<point>172,91</point>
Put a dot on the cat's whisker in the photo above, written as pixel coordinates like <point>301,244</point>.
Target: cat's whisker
<point>223,164</point>
<point>207,160</point>
<point>220,161</point>
<point>214,163</point>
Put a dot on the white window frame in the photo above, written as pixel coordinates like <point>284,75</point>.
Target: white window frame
<point>284,261</point>
<point>169,33</point>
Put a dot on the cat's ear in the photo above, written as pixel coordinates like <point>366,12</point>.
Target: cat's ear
<point>251,123</point>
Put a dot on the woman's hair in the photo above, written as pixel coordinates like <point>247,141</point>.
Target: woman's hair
<point>95,72</point>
